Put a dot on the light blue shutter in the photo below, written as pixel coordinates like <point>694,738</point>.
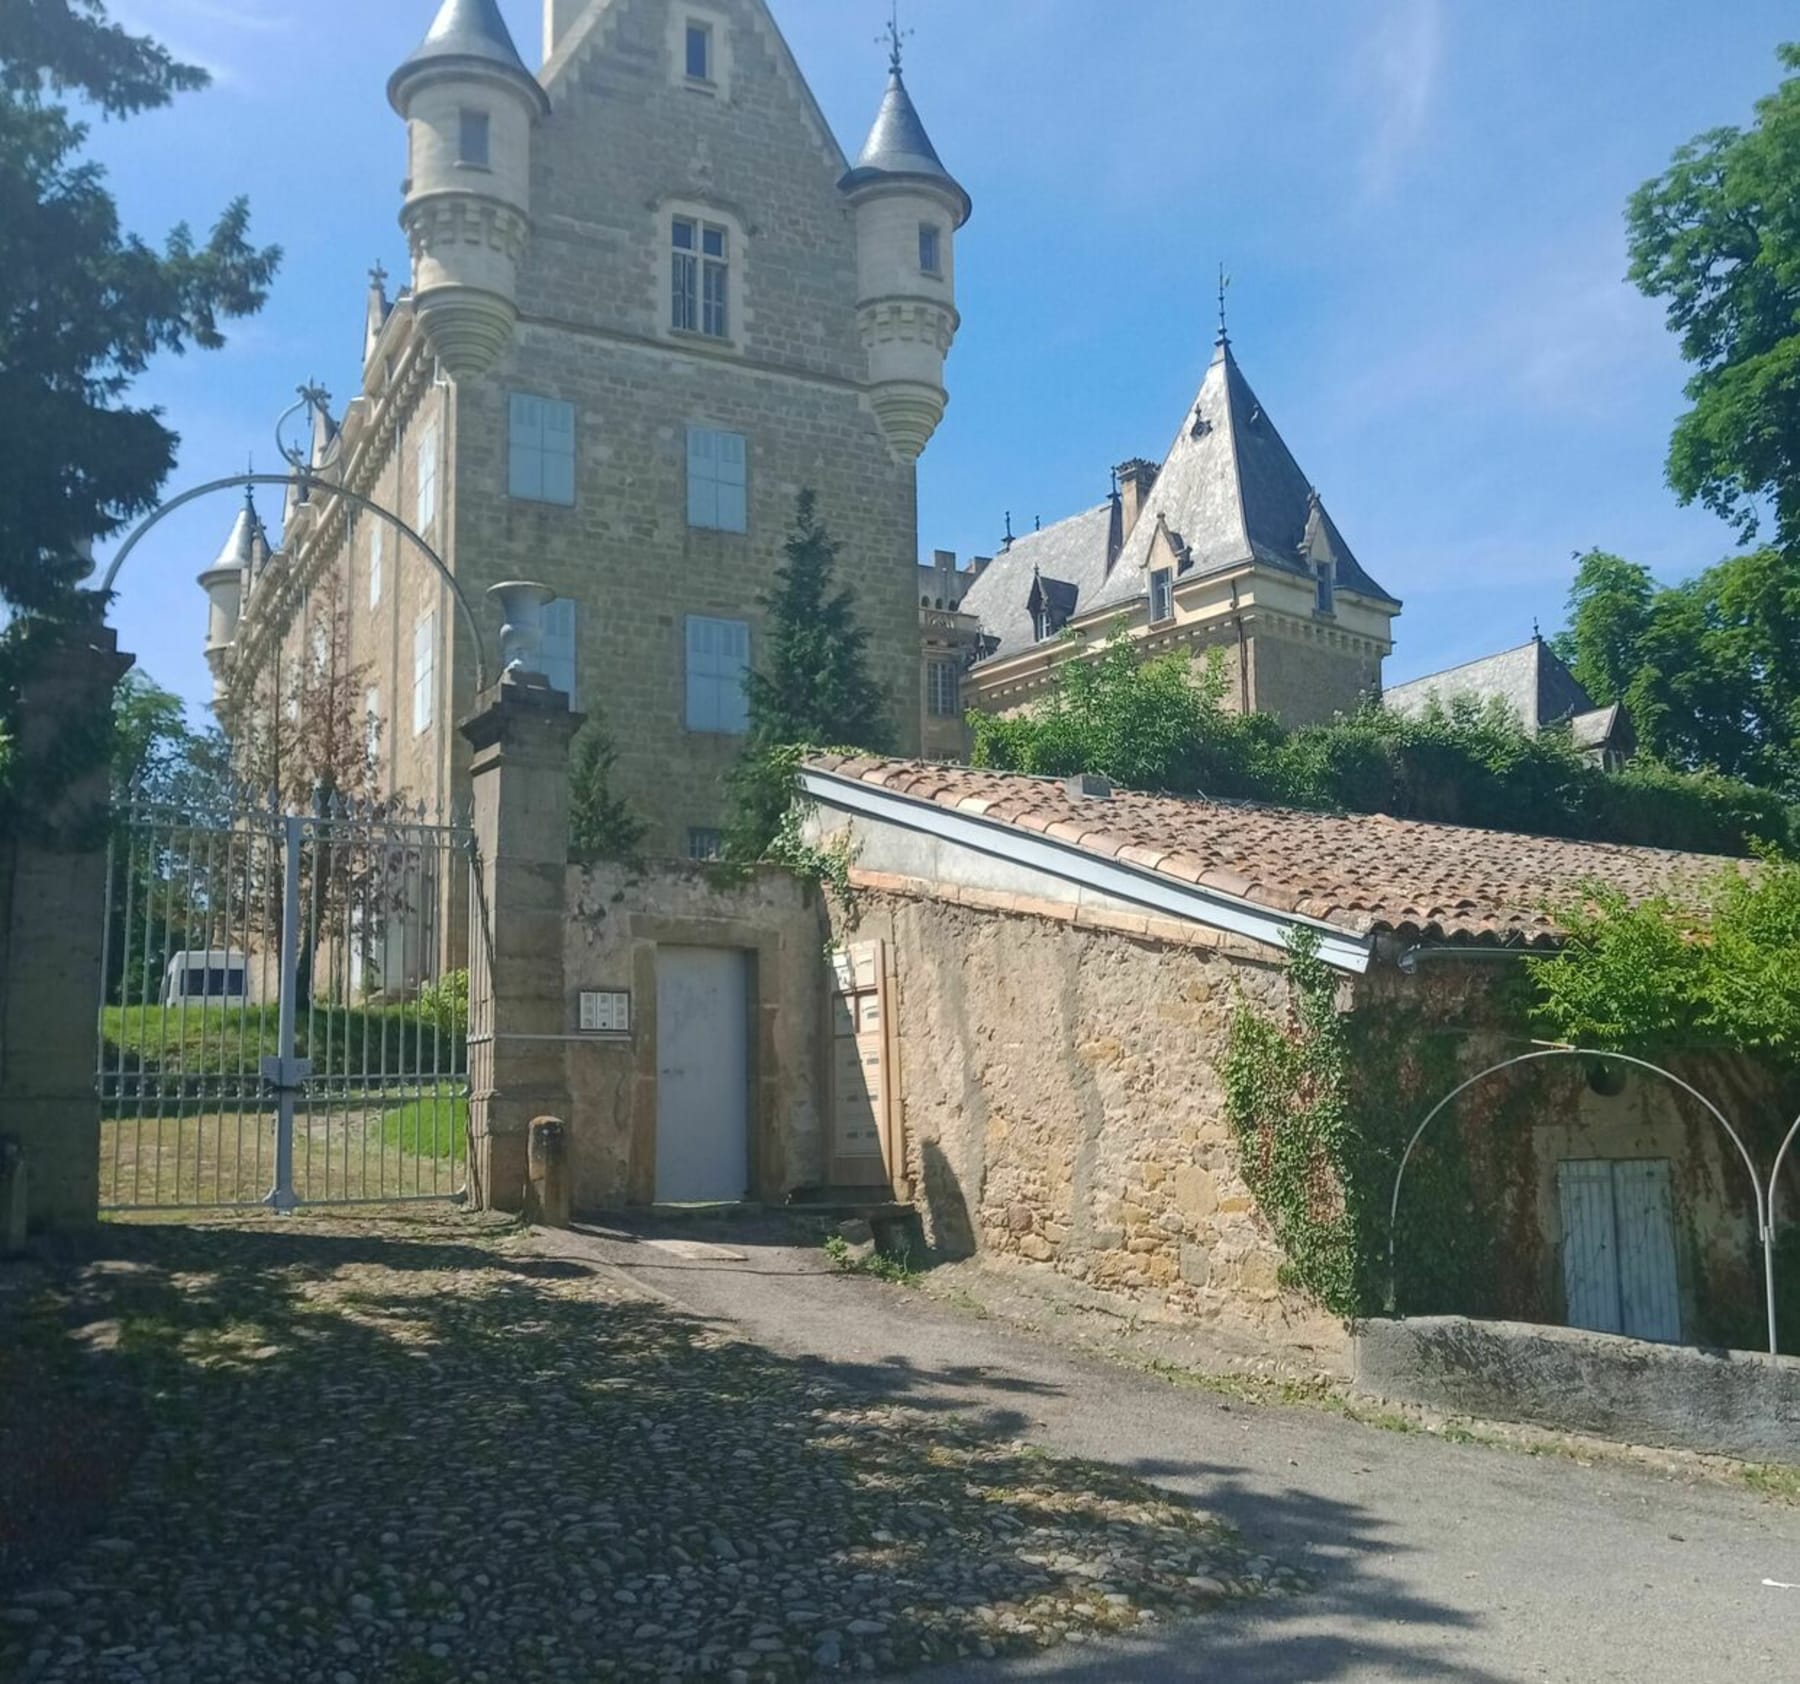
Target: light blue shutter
<point>1649,1294</point>
<point>559,453</point>
<point>558,656</point>
<point>526,477</point>
<point>734,703</point>
<point>699,689</point>
<point>1590,1253</point>
<point>703,487</point>
<point>734,505</point>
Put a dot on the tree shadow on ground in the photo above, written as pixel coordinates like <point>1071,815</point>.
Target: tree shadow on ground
<point>418,1454</point>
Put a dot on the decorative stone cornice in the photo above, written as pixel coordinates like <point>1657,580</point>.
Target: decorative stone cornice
<point>436,223</point>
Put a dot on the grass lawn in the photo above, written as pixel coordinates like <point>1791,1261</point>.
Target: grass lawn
<point>428,1128</point>
<point>225,1040</point>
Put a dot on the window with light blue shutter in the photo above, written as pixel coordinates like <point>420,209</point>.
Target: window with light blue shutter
<point>718,480</point>
<point>718,660</point>
<point>557,657</point>
<point>541,453</point>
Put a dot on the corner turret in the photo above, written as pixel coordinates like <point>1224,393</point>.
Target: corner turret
<point>469,105</point>
<point>908,210</point>
<point>227,584</point>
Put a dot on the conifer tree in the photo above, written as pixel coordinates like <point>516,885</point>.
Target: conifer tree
<point>812,690</point>
<point>602,825</point>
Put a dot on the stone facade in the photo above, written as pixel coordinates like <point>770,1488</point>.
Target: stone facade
<point>1063,1105</point>
<point>628,146</point>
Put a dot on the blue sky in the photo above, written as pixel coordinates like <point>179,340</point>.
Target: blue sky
<point>1420,203</point>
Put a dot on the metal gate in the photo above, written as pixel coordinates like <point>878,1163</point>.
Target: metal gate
<point>284,1015</point>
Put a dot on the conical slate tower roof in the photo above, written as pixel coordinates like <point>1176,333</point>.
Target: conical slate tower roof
<point>898,146</point>
<point>1229,492</point>
<point>246,539</point>
<point>466,33</point>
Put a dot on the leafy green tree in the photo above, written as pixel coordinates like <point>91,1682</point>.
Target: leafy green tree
<point>1709,670</point>
<point>602,825</point>
<point>812,689</point>
<point>83,305</point>
<point>1717,237</point>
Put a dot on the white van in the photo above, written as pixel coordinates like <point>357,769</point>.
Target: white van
<point>217,977</point>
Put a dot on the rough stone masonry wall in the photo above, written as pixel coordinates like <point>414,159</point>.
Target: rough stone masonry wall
<point>1063,1108</point>
<point>619,920</point>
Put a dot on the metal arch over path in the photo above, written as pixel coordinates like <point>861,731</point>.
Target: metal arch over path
<point>1765,1215</point>
<point>311,482</point>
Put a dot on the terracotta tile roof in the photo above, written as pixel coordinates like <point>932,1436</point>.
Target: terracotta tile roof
<point>1363,874</point>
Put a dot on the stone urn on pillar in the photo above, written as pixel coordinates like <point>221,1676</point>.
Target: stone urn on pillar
<point>522,606</point>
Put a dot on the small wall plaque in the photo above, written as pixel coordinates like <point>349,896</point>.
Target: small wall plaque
<point>606,1014</point>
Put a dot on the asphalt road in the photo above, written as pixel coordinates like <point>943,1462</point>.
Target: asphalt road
<point>1432,1559</point>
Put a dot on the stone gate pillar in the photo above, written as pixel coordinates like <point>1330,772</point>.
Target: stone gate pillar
<point>52,926</point>
<point>518,1006</point>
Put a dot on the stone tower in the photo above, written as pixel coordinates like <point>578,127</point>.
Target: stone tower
<point>470,106</point>
<point>908,210</point>
<point>227,585</point>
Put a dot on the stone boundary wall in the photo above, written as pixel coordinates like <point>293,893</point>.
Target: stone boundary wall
<point>1730,1403</point>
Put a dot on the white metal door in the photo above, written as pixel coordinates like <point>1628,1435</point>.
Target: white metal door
<point>1619,1269</point>
<point>703,1075</point>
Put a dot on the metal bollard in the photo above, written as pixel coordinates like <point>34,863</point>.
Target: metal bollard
<point>548,1197</point>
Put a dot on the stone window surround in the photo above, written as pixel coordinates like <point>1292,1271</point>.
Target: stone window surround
<point>702,210</point>
<point>718,25</point>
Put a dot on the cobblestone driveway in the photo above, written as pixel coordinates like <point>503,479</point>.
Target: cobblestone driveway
<point>413,1450</point>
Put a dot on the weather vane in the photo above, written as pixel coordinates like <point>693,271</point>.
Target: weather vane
<point>1224,282</point>
<point>896,38</point>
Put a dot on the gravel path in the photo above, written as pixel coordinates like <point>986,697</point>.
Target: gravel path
<point>419,1449</point>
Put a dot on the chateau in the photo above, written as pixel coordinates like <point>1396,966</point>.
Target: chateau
<point>651,300</point>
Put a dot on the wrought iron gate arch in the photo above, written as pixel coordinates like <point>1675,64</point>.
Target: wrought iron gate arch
<point>312,482</point>
<point>1764,1200</point>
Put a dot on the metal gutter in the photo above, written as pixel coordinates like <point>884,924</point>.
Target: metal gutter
<point>1070,864</point>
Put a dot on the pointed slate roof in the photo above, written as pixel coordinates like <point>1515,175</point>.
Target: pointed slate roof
<point>466,34</point>
<point>246,539</point>
<point>899,147</point>
<point>1531,680</point>
<point>1229,490</point>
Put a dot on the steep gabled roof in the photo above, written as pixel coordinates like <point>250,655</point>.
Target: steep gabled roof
<point>1229,487</point>
<point>1531,680</point>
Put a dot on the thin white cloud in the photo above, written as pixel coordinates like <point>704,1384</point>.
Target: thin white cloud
<point>1395,79</point>
<point>177,24</point>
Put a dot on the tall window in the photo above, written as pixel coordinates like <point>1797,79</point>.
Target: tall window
<point>558,656</point>
<point>424,673</point>
<point>706,845</point>
<point>701,278</point>
<point>372,724</point>
<point>377,555</point>
<point>718,480</point>
<point>1326,601</point>
<point>718,660</point>
<point>943,689</point>
<point>699,52</point>
<point>425,463</point>
<point>1162,595</point>
<point>931,248</point>
<point>473,139</point>
<point>542,450</point>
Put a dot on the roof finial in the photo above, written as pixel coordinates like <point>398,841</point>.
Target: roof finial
<point>896,38</point>
<point>1224,282</point>
<point>378,276</point>
<point>1009,530</point>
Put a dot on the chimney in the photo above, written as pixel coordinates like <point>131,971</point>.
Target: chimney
<point>945,592</point>
<point>559,18</point>
<point>1136,477</point>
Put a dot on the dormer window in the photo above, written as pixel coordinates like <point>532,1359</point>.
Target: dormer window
<point>474,140</point>
<point>1040,624</point>
<point>1162,596</point>
<point>699,52</point>
<point>1326,599</point>
<point>931,248</point>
